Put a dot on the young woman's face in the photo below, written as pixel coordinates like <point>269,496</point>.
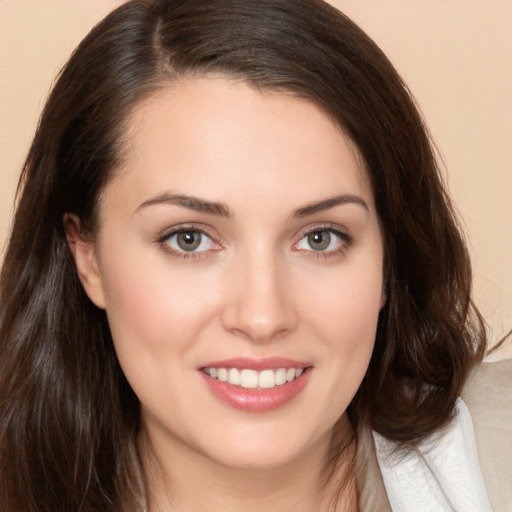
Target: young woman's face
<point>239,240</point>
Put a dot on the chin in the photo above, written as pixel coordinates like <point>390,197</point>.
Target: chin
<point>262,450</point>
<point>263,461</point>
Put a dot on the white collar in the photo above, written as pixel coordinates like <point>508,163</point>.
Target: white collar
<point>441,475</point>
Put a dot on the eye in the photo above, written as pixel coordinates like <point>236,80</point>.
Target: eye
<point>187,240</point>
<point>324,240</point>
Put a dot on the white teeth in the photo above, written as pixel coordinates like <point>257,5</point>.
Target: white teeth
<point>251,379</point>
<point>222,375</point>
<point>267,379</point>
<point>280,376</point>
<point>233,376</point>
<point>248,379</point>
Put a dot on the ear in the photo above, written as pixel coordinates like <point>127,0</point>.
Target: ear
<point>383,299</point>
<point>86,261</point>
<point>384,293</point>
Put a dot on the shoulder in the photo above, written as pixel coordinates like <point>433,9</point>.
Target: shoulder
<point>488,395</point>
<point>440,474</point>
<point>465,466</point>
<point>475,446</point>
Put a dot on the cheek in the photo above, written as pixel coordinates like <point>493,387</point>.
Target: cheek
<point>344,313</point>
<point>349,330</point>
<point>155,313</point>
<point>144,294</point>
<point>347,304</point>
<point>154,320</point>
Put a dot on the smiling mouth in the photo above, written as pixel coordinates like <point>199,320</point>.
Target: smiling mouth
<point>252,379</point>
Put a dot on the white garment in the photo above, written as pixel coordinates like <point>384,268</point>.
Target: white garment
<point>441,475</point>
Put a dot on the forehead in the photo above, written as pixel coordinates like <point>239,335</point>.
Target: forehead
<point>211,136</point>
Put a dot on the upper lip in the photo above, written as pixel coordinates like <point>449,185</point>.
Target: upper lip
<point>258,364</point>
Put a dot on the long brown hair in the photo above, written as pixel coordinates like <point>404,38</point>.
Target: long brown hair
<point>68,418</point>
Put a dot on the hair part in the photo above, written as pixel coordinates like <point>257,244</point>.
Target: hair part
<point>68,418</point>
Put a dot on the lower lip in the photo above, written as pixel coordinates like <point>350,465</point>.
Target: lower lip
<point>257,400</point>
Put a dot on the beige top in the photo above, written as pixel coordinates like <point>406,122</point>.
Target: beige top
<point>488,396</point>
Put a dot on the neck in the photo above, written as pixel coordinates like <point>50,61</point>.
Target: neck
<point>321,479</point>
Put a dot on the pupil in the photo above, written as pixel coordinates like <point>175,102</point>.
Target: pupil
<point>189,240</point>
<point>319,240</point>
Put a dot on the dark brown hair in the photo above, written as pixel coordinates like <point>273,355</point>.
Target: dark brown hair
<point>68,418</point>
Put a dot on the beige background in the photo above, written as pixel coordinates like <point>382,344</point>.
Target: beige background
<point>454,54</point>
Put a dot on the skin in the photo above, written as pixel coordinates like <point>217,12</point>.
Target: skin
<point>255,287</point>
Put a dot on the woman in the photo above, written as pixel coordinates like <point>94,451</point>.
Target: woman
<point>232,258</point>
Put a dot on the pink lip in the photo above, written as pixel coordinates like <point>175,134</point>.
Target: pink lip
<point>257,400</point>
<point>267,363</point>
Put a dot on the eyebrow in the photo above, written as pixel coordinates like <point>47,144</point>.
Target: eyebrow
<point>190,202</point>
<point>331,202</point>
<point>222,210</point>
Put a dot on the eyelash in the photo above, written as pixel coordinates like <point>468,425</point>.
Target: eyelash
<point>346,241</point>
<point>163,241</point>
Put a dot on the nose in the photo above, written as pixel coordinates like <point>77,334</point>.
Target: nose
<point>258,302</point>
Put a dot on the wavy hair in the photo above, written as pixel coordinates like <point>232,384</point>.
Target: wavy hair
<point>68,418</point>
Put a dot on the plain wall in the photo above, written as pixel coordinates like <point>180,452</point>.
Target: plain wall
<point>455,56</point>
